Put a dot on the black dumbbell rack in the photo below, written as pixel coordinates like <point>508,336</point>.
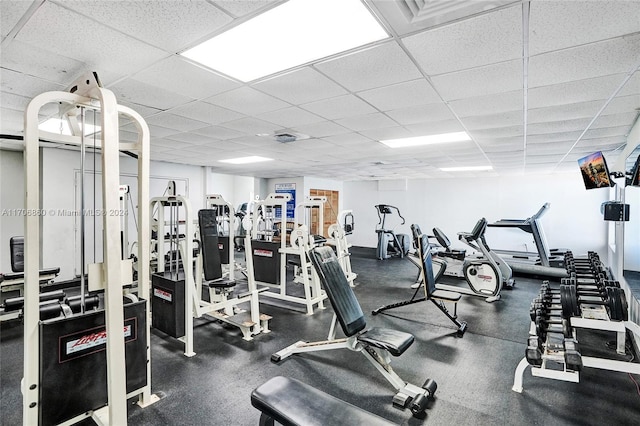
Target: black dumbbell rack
<point>587,299</point>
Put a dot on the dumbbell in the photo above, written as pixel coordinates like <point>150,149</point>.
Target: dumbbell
<point>613,298</point>
<point>546,309</point>
<point>572,357</point>
<point>533,353</point>
<point>545,323</point>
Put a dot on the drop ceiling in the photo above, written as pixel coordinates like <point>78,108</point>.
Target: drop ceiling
<point>536,84</point>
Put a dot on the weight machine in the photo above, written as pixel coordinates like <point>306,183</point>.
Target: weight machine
<point>100,358</point>
<point>338,239</point>
<point>266,253</point>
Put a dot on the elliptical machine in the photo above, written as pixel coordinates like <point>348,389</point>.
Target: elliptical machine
<point>485,275</point>
<point>389,243</point>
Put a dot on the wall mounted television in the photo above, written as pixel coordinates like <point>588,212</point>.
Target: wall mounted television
<point>595,172</point>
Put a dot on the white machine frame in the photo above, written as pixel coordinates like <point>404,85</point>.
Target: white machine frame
<point>88,93</point>
<point>338,238</point>
<point>314,295</point>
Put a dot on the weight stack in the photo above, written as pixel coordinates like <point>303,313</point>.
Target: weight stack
<point>73,362</point>
<point>167,302</point>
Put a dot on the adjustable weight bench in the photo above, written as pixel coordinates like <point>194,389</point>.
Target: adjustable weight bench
<point>293,403</point>
<point>376,344</point>
<point>437,297</point>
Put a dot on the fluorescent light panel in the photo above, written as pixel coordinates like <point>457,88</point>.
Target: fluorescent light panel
<point>292,34</point>
<point>246,160</point>
<point>466,169</point>
<point>427,140</point>
<point>53,125</point>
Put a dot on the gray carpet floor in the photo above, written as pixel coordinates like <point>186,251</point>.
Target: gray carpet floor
<point>474,373</point>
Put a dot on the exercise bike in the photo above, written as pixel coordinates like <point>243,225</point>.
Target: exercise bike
<point>485,275</point>
<point>389,243</point>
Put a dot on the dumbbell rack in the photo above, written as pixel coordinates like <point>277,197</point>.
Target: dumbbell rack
<point>553,364</point>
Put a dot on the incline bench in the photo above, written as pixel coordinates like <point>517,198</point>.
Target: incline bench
<point>293,403</point>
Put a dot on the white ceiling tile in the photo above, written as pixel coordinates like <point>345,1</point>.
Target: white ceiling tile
<point>564,112</point>
<point>192,138</point>
<point>169,25</point>
<point>378,66</point>
<point>290,117</point>
<point>98,46</point>
<point>495,78</point>
<point>622,104</point>
<point>175,122</point>
<point>251,125</point>
<point>421,114</point>
<point>247,101</point>
<point>168,143</point>
<point>560,126</point>
<point>348,139</point>
<point>616,120</point>
<point>386,133</point>
<point>22,57</point>
<point>11,101</point>
<point>143,110</point>
<point>12,121</point>
<point>219,132</point>
<point>401,95</point>
<point>574,91</point>
<point>154,131</point>
<point>365,122</point>
<point>483,40</point>
<point>435,127</point>
<point>240,8</point>
<point>553,137</point>
<point>25,85</point>
<point>203,111</point>
<point>150,96</point>
<point>10,14</point>
<point>321,129</point>
<point>605,132</point>
<point>497,132</point>
<point>632,87</point>
<point>178,75</point>
<point>557,25</point>
<point>339,107</point>
<point>489,104</point>
<point>505,119</point>
<point>300,86</point>
<point>615,56</point>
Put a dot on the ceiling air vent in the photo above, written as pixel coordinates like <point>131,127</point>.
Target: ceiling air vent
<point>286,137</point>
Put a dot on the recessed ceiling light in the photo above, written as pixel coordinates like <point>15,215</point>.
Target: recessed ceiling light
<point>61,127</point>
<point>466,169</point>
<point>246,160</point>
<point>292,34</point>
<point>427,140</point>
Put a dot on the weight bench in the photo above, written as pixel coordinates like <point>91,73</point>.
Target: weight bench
<point>14,280</point>
<point>376,344</point>
<point>437,297</point>
<point>293,403</point>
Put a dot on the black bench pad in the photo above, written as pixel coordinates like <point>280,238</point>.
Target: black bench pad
<point>20,275</point>
<point>396,342</point>
<point>221,283</point>
<point>291,402</point>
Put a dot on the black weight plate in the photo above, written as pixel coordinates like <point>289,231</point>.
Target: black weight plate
<point>624,306</point>
<point>612,304</point>
<point>575,306</point>
<point>565,301</point>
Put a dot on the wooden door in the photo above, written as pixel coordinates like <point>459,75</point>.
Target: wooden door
<point>330,211</point>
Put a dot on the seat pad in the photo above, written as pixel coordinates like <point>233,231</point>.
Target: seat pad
<point>446,295</point>
<point>394,341</point>
<point>291,402</point>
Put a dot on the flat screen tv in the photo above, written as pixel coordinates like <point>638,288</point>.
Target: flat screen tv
<point>595,172</point>
<point>634,180</point>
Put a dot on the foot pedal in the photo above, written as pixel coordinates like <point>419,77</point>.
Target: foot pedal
<point>400,400</point>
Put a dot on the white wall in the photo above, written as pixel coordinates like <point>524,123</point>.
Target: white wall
<point>454,205</point>
<point>234,189</point>
<point>12,198</point>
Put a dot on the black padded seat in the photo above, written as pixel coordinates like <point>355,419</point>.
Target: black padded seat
<point>347,308</point>
<point>446,295</point>
<point>20,275</point>
<point>291,402</point>
<point>396,342</point>
<point>221,283</point>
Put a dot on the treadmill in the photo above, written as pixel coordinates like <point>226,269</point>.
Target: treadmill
<point>548,263</point>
